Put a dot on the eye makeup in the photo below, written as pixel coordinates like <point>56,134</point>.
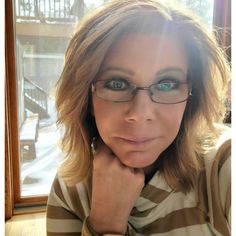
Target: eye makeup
<point>170,74</point>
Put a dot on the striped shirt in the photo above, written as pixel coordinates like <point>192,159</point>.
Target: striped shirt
<point>159,210</point>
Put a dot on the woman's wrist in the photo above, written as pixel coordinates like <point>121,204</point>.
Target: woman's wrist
<point>111,234</point>
<point>107,228</point>
<point>116,234</point>
<point>93,231</point>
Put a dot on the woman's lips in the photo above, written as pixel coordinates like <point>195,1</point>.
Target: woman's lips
<point>138,142</point>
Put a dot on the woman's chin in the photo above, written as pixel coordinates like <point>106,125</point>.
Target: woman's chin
<point>137,160</point>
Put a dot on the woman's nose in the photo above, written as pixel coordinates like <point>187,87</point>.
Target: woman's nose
<point>141,108</point>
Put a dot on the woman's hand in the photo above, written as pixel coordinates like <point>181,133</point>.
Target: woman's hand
<point>115,190</point>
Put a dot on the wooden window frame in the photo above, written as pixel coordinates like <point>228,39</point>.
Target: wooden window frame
<point>12,176</point>
<point>222,24</point>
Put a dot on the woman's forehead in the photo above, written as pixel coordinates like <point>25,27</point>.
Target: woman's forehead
<point>135,48</point>
<point>145,55</point>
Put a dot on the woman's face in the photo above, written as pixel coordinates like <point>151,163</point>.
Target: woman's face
<point>138,131</point>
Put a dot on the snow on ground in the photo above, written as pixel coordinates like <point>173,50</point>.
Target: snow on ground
<point>37,174</point>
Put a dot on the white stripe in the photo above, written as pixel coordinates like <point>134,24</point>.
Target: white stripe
<point>143,204</point>
<point>208,159</point>
<point>54,200</point>
<point>66,194</point>
<point>193,230</point>
<point>83,197</point>
<point>174,202</point>
<point>158,181</point>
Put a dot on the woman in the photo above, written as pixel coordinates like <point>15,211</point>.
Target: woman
<point>144,86</point>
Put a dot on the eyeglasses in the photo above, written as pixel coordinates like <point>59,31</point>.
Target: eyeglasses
<point>121,90</point>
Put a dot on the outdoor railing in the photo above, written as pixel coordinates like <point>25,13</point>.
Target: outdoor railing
<point>36,94</point>
<point>50,10</point>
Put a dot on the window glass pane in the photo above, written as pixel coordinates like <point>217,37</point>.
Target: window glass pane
<point>203,8</point>
<point>43,30</point>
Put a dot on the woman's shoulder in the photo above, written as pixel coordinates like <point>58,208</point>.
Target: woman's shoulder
<point>217,162</point>
<point>61,186</point>
<point>218,181</point>
<point>221,151</point>
<point>75,198</point>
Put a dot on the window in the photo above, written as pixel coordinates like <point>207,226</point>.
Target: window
<point>43,29</point>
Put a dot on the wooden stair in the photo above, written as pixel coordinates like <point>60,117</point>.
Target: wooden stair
<point>35,99</point>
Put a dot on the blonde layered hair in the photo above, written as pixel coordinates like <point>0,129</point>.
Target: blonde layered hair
<point>208,74</point>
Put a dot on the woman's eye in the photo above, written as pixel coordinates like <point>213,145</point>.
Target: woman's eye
<point>166,86</point>
<point>117,84</point>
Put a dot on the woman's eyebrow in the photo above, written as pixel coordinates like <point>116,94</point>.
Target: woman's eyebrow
<point>116,68</point>
<point>171,69</point>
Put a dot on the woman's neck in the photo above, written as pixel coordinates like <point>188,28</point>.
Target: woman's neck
<point>150,171</point>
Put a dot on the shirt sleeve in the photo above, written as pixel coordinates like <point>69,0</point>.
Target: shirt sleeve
<point>67,214</point>
<point>218,171</point>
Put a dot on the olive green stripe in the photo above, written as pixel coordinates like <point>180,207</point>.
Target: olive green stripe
<point>76,201</point>
<point>228,201</point>
<point>136,213</point>
<point>64,225</point>
<point>63,234</point>
<point>56,212</point>
<point>154,194</point>
<point>58,191</point>
<point>218,214</point>
<point>202,192</point>
<point>224,153</point>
